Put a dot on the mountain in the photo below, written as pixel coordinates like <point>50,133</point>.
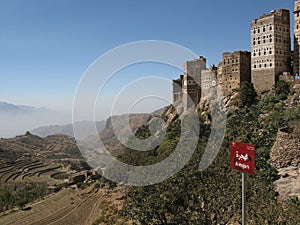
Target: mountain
<point>8,107</point>
<point>84,128</point>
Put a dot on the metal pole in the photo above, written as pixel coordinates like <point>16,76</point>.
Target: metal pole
<point>243,198</point>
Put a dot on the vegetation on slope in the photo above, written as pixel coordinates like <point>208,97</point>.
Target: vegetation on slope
<point>19,194</point>
<point>214,195</point>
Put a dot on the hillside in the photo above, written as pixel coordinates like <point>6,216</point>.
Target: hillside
<point>91,147</point>
<point>213,196</point>
<point>84,128</point>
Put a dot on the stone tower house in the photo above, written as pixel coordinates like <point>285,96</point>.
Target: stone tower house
<point>192,81</point>
<point>234,68</point>
<point>296,58</point>
<point>270,48</point>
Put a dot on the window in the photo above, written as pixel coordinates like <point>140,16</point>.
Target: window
<point>253,42</point>
<point>254,54</point>
<point>270,52</point>
<point>270,64</point>
<point>258,42</point>
<point>270,39</point>
<point>270,27</point>
<point>264,29</point>
<point>254,66</point>
<point>265,65</point>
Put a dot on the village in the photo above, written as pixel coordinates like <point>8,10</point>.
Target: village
<point>270,59</point>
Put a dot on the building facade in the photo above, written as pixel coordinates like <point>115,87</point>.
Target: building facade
<point>209,82</point>
<point>270,49</point>
<point>234,68</point>
<point>296,58</point>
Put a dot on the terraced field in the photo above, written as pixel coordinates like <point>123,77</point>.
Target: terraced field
<point>30,170</point>
<point>29,163</point>
<point>67,207</point>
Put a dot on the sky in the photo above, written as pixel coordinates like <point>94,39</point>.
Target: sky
<point>47,46</point>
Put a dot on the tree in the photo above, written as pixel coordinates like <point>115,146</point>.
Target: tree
<point>247,94</point>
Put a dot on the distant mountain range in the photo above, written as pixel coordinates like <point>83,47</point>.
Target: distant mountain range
<point>83,128</point>
<point>8,107</point>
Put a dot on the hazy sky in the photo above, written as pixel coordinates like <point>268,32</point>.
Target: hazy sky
<point>47,45</point>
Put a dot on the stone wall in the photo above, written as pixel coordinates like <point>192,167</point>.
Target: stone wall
<point>286,149</point>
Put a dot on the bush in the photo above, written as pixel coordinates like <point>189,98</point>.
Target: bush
<point>282,88</point>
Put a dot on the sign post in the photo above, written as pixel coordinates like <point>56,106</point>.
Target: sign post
<point>243,198</point>
<point>242,157</point>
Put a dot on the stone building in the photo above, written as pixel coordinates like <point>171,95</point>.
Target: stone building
<point>233,69</point>
<point>177,90</point>
<point>270,49</point>
<point>296,58</point>
<point>186,90</point>
<point>191,92</point>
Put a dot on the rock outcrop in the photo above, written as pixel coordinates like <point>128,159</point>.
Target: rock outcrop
<point>286,149</point>
<point>285,157</point>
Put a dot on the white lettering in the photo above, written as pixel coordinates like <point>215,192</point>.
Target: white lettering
<point>242,165</point>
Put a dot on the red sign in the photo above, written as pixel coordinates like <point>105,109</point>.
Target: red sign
<point>242,157</point>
